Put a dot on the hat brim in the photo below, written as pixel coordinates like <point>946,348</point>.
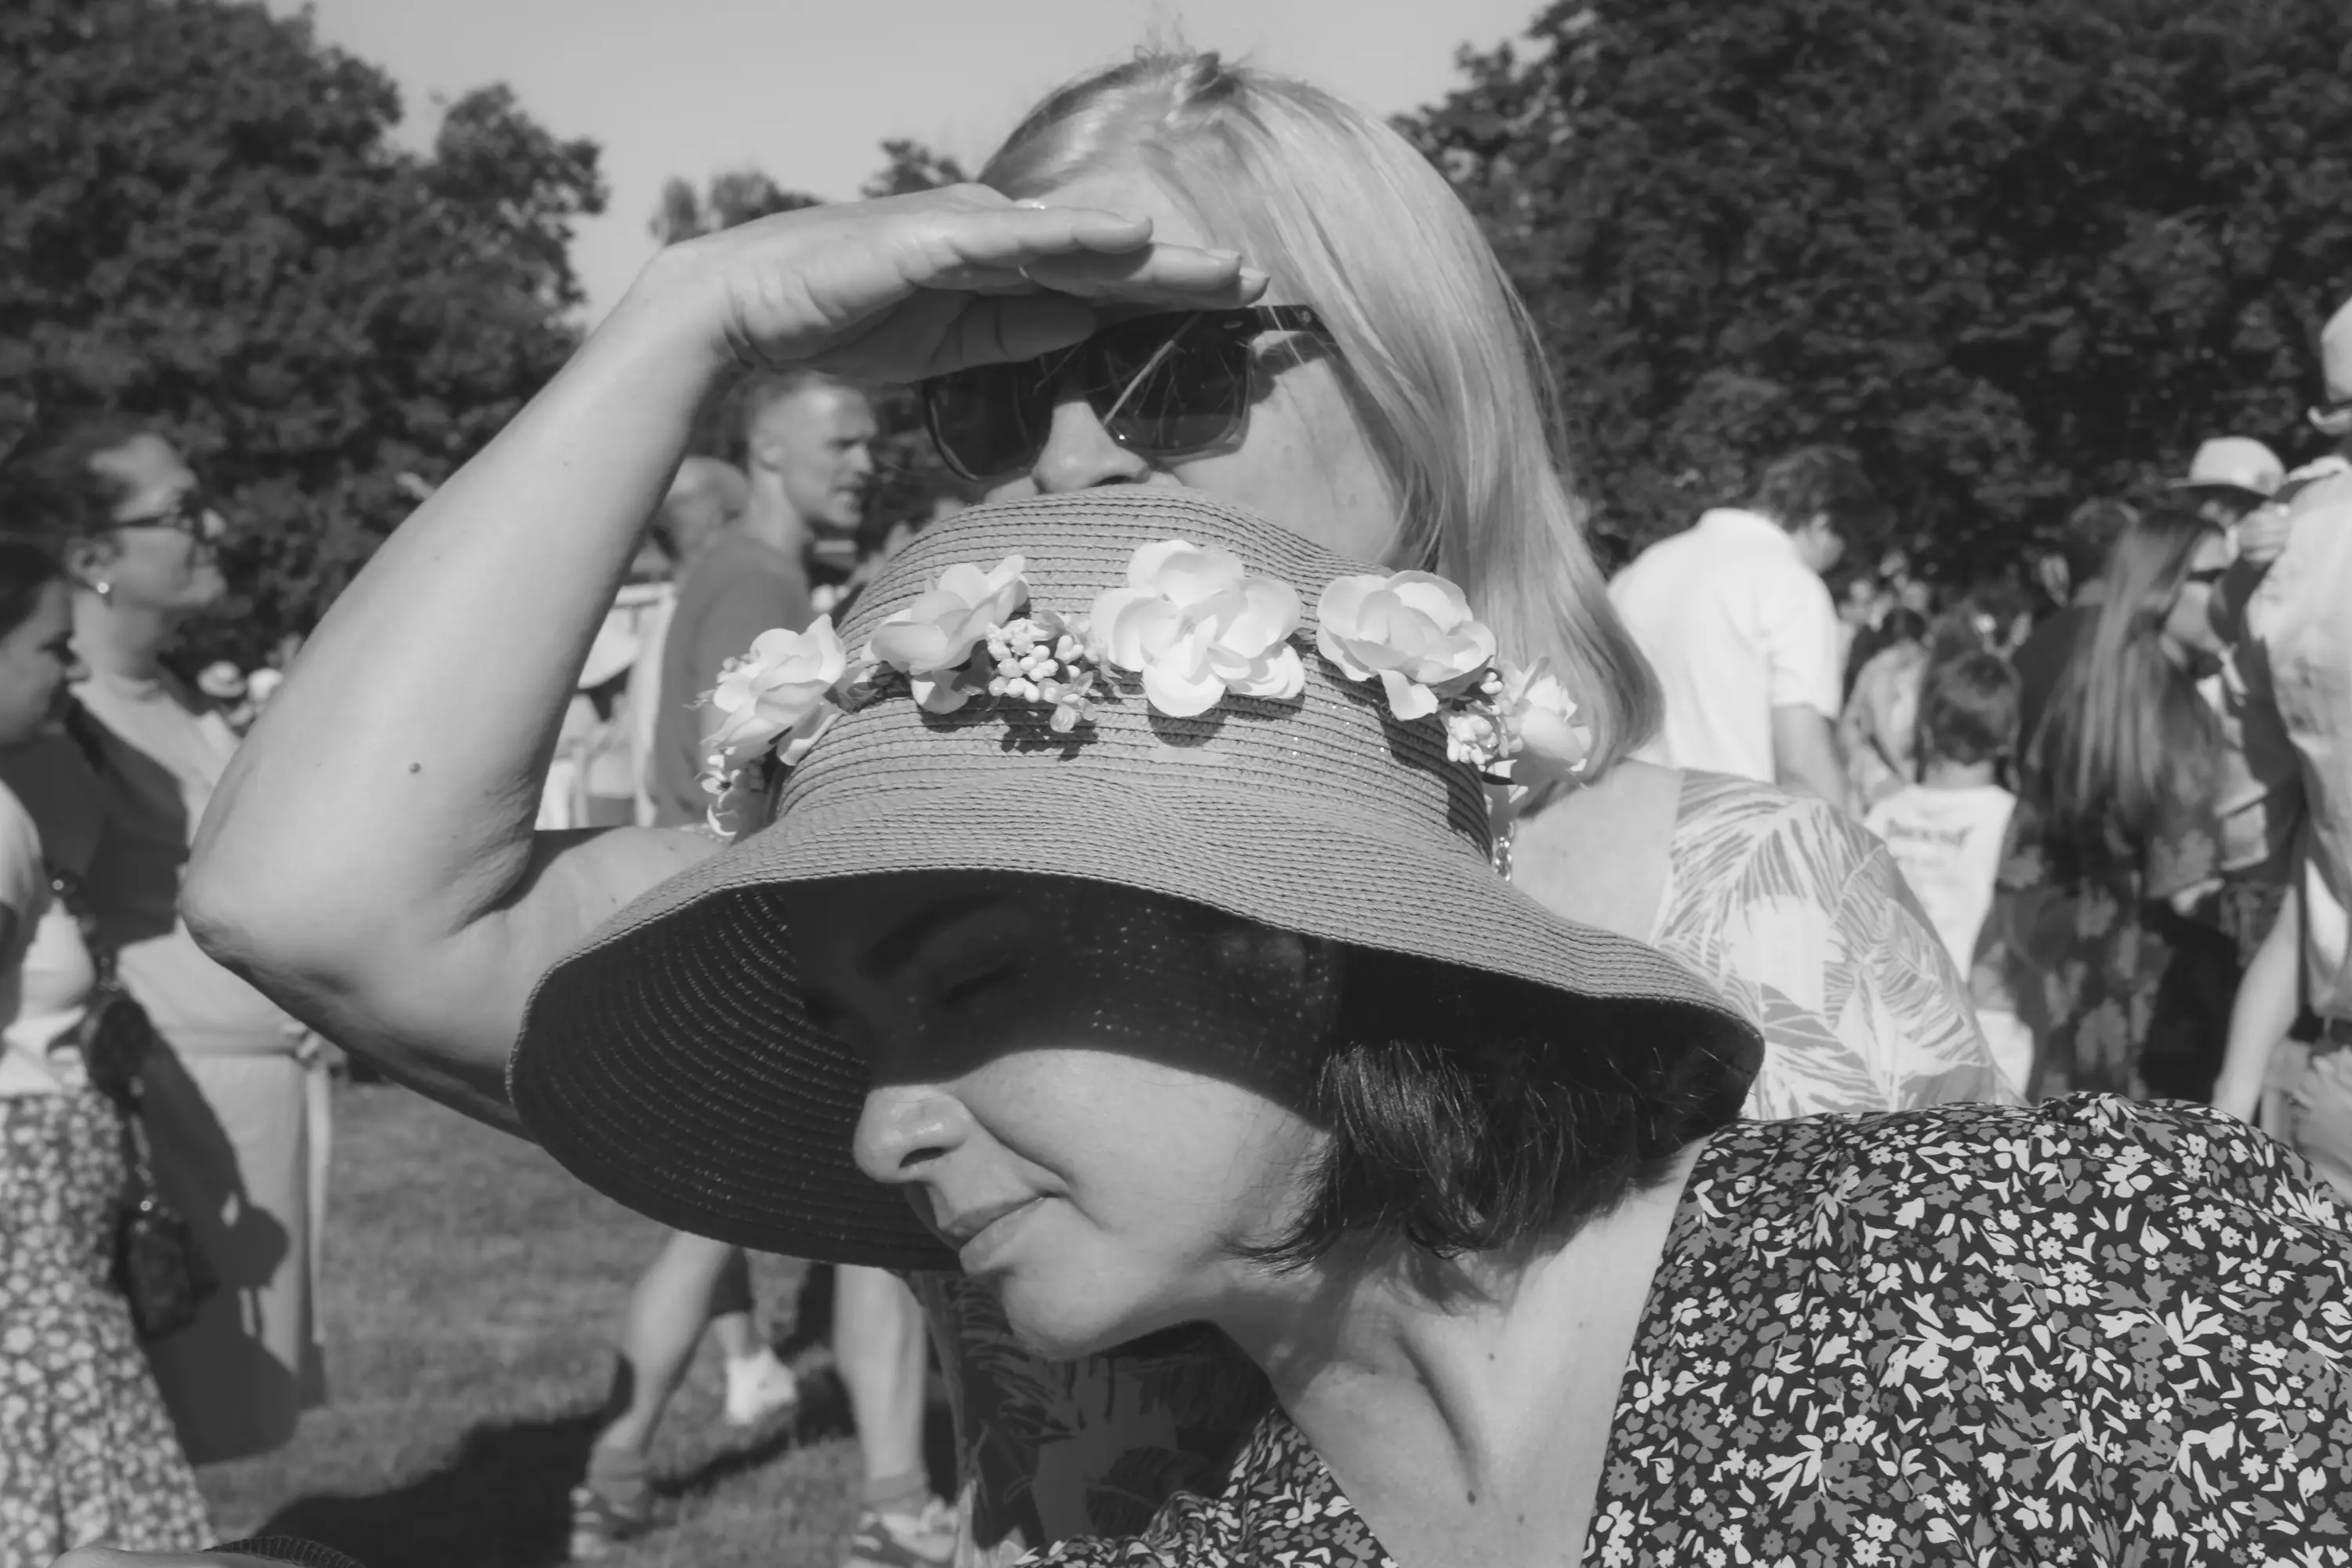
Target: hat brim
<point>721,1113</point>
<point>2221,486</point>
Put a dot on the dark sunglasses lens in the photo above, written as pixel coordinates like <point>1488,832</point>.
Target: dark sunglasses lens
<point>1169,397</point>
<point>989,420</point>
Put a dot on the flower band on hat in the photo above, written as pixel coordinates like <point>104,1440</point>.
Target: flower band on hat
<point>1191,626</point>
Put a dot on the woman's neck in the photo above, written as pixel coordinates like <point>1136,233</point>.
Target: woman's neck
<point>1476,1410</point>
<point>119,639</point>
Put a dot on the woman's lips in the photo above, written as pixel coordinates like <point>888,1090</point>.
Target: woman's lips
<point>979,1234</point>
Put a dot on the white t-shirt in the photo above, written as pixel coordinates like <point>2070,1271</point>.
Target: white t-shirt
<point>44,970</point>
<point>1736,624</point>
<point>1948,844</point>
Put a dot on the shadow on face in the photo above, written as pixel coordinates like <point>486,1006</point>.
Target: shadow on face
<point>1098,1097</point>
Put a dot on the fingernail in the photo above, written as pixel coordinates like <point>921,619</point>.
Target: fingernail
<point>1226,255</point>
<point>1252,278</point>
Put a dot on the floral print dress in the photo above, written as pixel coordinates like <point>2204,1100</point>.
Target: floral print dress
<point>2090,1333</point>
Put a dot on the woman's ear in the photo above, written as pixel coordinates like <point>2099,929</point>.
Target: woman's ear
<point>88,559</point>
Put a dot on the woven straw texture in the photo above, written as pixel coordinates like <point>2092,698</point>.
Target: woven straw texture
<point>667,1063</point>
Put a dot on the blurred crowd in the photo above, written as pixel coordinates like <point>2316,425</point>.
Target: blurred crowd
<point>2109,786</point>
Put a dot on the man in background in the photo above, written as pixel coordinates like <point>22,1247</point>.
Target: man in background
<point>705,499</point>
<point>808,455</point>
<point>2292,675</point>
<point>1733,615</point>
<point>807,443</point>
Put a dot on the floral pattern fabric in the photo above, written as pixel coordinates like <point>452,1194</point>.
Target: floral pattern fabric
<point>2090,1333</point>
<point>2122,992</point>
<point>87,1452</point>
<point>1787,905</point>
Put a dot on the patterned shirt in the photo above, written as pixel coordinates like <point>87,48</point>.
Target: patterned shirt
<point>1791,908</point>
<point>2089,1333</point>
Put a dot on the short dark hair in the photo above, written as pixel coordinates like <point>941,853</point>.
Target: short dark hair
<point>1470,1112</point>
<point>1817,481</point>
<point>52,491</point>
<point>763,389</point>
<point>26,568</point>
<point>2089,531</point>
<point>1968,709</point>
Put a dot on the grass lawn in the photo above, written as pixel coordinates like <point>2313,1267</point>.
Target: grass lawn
<point>472,1292</point>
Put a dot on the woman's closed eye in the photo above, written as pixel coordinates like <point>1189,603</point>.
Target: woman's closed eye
<point>958,983</point>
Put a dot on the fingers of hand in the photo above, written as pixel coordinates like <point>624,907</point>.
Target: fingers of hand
<point>985,280</point>
<point>1012,236</point>
<point>1157,274</point>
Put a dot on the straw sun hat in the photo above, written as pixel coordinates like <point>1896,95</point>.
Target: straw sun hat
<point>667,1063</point>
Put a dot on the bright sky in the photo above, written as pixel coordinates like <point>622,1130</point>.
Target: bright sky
<point>807,91</point>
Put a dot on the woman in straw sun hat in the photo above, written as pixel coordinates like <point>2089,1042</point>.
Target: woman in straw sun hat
<point>1360,372</point>
<point>1129,907</point>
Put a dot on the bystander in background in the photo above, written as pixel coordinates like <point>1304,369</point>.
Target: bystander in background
<point>1734,616</point>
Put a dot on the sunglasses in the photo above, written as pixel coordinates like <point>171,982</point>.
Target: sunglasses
<point>2209,575</point>
<point>1164,386</point>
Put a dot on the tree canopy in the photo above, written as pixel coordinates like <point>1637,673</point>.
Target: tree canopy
<point>2018,252</point>
<point>203,222</point>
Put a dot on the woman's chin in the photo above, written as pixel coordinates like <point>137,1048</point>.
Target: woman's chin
<point>1063,1325</point>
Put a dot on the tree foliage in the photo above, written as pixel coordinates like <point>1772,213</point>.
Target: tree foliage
<point>203,222</point>
<point>2018,252</point>
<point>735,197</point>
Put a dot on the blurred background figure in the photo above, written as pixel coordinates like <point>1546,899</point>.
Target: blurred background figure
<point>2228,476</point>
<point>1945,832</point>
<point>237,1106</point>
<point>706,498</point>
<point>2291,684</point>
<point>86,1450</point>
<point>2072,574</point>
<point>747,547</point>
<point>1878,731</point>
<point>1734,616</point>
<point>2100,937</point>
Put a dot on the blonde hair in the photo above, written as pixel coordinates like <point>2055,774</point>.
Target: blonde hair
<point>1435,347</point>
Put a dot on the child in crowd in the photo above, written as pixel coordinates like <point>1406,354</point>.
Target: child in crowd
<point>1946,831</point>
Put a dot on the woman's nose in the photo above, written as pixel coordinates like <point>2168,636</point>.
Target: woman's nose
<point>1079,453</point>
<point>906,1130</point>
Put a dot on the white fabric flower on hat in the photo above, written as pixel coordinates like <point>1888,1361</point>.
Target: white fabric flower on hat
<point>1413,630</point>
<point>779,695</point>
<point>1196,624</point>
<point>933,639</point>
<point>1539,717</point>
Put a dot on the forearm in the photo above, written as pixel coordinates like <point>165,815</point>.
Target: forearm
<point>2268,998</point>
<point>384,803</point>
<point>1805,755</point>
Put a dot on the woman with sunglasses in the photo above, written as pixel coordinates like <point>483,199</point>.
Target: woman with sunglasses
<point>2101,938</point>
<point>1175,275</point>
<point>237,1106</point>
